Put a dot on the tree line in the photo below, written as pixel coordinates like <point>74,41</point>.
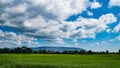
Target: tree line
<point>26,50</point>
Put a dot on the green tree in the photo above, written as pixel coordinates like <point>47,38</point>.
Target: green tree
<point>26,50</point>
<point>1,50</point>
<point>5,50</point>
<point>89,52</point>
<point>107,51</point>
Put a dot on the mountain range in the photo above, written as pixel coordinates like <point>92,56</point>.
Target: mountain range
<point>60,49</point>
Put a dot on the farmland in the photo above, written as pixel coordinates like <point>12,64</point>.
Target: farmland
<point>59,61</point>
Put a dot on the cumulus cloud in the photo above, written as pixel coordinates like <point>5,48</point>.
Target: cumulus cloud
<point>114,3</point>
<point>91,26</point>
<point>12,39</point>
<point>61,8</point>
<point>90,13</point>
<point>108,30</point>
<point>5,1</point>
<point>16,9</point>
<point>96,5</point>
<point>45,19</point>
<point>117,28</point>
<point>118,38</point>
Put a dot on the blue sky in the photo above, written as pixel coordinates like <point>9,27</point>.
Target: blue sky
<point>88,24</point>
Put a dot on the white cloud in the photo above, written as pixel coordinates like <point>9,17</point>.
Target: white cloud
<point>46,19</point>
<point>54,29</point>
<point>117,28</point>
<point>108,18</point>
<point>17,9</point>
<point>117,38</point>
<point>12,39</point>
<point>5,1</point>
<point>95,5</point>
<point>62,9</point>
<point>114,3</point>
<point>90,26</point>
<point>108,30</point>
<point>89,13</point>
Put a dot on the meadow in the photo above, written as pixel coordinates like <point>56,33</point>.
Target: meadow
<point>59,61</point>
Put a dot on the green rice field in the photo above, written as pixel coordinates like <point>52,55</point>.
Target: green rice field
<point>59,61</point>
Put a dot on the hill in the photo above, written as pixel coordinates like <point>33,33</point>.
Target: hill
<point>60,49</point>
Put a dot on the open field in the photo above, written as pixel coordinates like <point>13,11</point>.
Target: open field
<point>59,61</point>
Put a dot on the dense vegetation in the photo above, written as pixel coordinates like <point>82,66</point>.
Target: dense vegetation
<point>23,57</point>
<point>25,50</point>
<point>59,61</point>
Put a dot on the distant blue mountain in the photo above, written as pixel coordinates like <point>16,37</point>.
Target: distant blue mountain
<point>60,49</point>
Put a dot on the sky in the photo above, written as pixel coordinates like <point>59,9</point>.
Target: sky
<point>88,24</point>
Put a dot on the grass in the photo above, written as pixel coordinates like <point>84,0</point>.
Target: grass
<point>59,61</point>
